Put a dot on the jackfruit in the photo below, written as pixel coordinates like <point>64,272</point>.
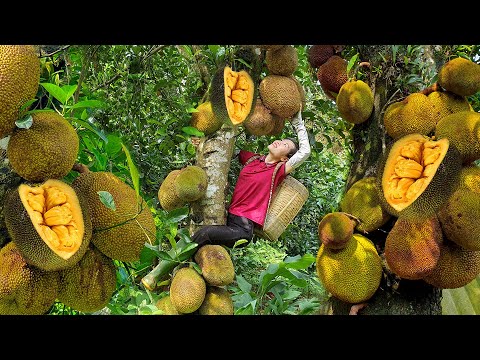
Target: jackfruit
<point>333,74</point>
<point>362,201</point>
<point>335,230</point>
<point>283,61</point>
<point>260,122</point>
<point>165,304</point>
<point>460,76</point>
<point>355,101</point>
<point>455,268</point>
<point>351,274</point>
<point>318,55</point>
<point>47,150</point>
<point>413,115</point>
<point>204,120</point>
<point>417,176</point>
<point>459,216</point>
<point>232,95</point>
<point>412,248</point>
<point>446,103</point>
<point>20,77</point>
<point>280,94</point>
<point>301,91</point>
<point>187,290</point>
<point>119,234</point>
<point>89,285</point>
<point>270,47</point>
<point>167,196</point>
<point>463,131</point>
<point>218,301</point>
<point>191,183</point>
<point>216,264</point>
<point>279,125</point>
<point>50,223</point>
<point>24,289</point>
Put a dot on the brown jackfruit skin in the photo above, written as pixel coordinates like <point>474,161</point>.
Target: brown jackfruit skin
<point>301,90</point>
<point>335,230</point>
<point>355,101</point>
<point>169,200</point>
<point>279,125</point>
<point>333,74</point>
<point>24,289</point>
<point>270,47</point>
<point>20,76</point>
<point>35,251</point>
<point>459,216</point>
<point>191,183</point>
<point>260,122</point>
<point>119,234</point>
<point>204,120</point>
<point>218,301</point>
<point>280,94</point>
<point>47,150</point>
<point>187,290</point>
<point>460,76</point>
<point>318,55</point>
<point>456,267</point>
<point>165,304</point>
<point>463,130</point>
<point>412,248</point>
<point>216,264</point>
<point>89,285</point>
<point>446,103</point>
<point>283,61</point>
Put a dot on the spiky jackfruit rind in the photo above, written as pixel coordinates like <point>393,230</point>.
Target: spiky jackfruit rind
<point>216,264</point>
<point>191,183</point>
<point>333,74</point>
<point>446,103</point>
<point>20,74</point>
<point>89,285</point>
<point>204,120</point>
<point>434,196</point>
<point>462,130</point>
<point>165,305</point>
<point>335,230</point>
<point>26,237</point>
<point>24,289</point>
<point>301,91</point>
<point>260,122</point>
<point>167,196</point>
<point>187,290</point>
<point>122,233</point>
<point>280,94</point>
<point>318,55</point>
<point>283,61</point>
<point>351,274</point>
<point>459,216</point>
<point>218,301</point>
<point>47,150</point>
<point>355,101</point>
<point>279,125</point>
<point>412,248</point>
<point>362,201</point>
<point>460,76</point>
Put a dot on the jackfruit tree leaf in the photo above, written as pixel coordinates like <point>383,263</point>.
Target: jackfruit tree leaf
<point>243,284</point>
<point>239,242</point>
<point>107,199</point>
<point>69,90</point>
<point>352,62</point>
<point>56,91</point>
<point>248,309</point>
<point>90,127</point>
<point>192,110</point>
<point>164,256</point>
<point>133,171</point>
<point>244,63</point>
<point>113,145</point>
<point>187,251</point>
<point>190,130</point>
<point>88,104</point>
<point>25,123</point>
<point>196,267</point>
<point>178,215</point>
<point>214,48</point>
<point>27,104</point>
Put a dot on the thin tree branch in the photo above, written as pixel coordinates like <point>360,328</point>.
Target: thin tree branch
<point>56,51</point>
<point>105,84</point>
<point>153,50</point>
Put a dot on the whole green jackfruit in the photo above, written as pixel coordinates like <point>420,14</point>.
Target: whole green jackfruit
<point>355,101</point>
<point>47,150</point>
<point>460,76</point>
<point>216,264</point>
<point>280,94</point>
<point>335,230</point>
<point>20,76</point>
<point>204,120</point>
<point>191,183</point>
<point>218,301</point>
<point>187,290</point>
<point>446,103</point>
<point>167,196</point>
<point>89,285</point>
<point>165,304</point>
<point>283,61</point>
<point>24,289</point>
<point>119,233</point>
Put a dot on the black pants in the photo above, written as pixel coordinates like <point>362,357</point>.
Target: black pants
<point>236,228</point>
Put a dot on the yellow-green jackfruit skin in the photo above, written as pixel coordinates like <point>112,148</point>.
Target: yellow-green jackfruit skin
<point>362,201</point>
<point>456,267</point>
<point>216,264</point>
<point>167,196</point>
<point>20,76</point>
<point>89,285</point>
<point>446,103</point>
<point>35,251</point>
<point>355,101</point>
<point>460,76</point>
<point>166,306</point>
<point>191,183</point>
<point>122,233</point>
<point>412,115</point>
<point>351,274</point>
<point>463,130</point>
<point>47,150</point>
<point>204,120</point>
<point>24,289</point>
<point>335,230</point>
<point>283,61</point>
<point>187,290</point>
<point>460,215</point>
<point>218,301</point>
<point>412,248</point>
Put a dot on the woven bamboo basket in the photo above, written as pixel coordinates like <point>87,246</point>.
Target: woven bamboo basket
<point>287,201</point>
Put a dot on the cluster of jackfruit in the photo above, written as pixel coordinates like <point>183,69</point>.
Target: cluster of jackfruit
<point>203,294</point>
<point>182,186</point>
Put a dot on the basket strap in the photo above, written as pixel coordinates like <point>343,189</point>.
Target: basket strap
<point>251,158</point>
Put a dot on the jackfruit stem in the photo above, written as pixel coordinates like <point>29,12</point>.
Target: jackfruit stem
<point>430,89</point>
<point>158,273</point>
<point>80,168</point>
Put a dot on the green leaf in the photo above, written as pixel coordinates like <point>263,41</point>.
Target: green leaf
<point>25,123</point>
<point>190,130</point>
<point>27,104</point>
<point>164,256</point>
<point>192,110</point>
<point>214,48</point>
<point>69,90</point>
<point>191,149</point>
<point>114,145</point>
<point>107,199</point>
<point>352,62</point>
<point>239,242</point>
<point>244,63</point>
<point>187,251</point>
<point>88,104</point>
<point>243,284</point>
<point>56,91</point>
<point>133,171</point>
<point>178,215</point>
<point>90,127</point>
<point>197,268</point>
<point>248,309</point>
<point>297,262</point>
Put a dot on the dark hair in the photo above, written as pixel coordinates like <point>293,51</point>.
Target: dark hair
<point>295,149</point>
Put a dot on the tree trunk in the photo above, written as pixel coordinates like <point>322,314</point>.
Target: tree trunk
<point>395,295</point>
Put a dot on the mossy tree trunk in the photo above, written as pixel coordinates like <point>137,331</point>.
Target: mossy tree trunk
<point>395,295</point>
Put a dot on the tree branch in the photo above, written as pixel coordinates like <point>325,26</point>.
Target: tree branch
<point>56,51</point>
